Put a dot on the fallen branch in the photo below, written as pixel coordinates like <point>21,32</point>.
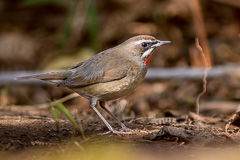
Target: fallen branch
<point>232,70</point>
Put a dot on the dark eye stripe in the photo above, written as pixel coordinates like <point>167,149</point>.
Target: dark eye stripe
<point>152,43</point>
<point>148,44</point>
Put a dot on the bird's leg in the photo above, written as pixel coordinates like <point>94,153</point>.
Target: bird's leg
<point>93,104</point>
<point>104,106</point>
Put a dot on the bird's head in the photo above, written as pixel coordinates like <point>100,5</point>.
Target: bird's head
<point>142,46</point>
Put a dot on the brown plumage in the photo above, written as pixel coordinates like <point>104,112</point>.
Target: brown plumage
<point>108,75</point>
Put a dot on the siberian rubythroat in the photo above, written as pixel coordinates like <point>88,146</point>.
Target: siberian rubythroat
<point>108,75</point>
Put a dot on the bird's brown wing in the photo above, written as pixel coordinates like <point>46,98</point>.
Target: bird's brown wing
<point>94,71</point>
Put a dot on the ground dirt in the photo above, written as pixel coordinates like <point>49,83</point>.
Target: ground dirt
<point>22,131</point>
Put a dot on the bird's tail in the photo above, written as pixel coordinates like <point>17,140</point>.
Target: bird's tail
<point>54,76</point>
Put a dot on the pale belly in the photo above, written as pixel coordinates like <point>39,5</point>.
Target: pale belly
<point>114,89</point>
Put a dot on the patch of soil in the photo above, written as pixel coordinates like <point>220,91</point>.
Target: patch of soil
<point>21,130</point>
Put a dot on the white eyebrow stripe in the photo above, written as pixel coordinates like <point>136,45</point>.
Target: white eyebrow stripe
<point>141,41</point>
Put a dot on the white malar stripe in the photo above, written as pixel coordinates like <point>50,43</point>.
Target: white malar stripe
<point>141,41</point>
<point>147,53</point>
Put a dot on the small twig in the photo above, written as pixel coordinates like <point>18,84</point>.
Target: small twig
<point>204,77</point>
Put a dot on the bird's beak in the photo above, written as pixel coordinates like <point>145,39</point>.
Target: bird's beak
<point>159,43</point>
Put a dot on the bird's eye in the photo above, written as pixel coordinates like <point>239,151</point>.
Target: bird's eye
<point>144,44</point>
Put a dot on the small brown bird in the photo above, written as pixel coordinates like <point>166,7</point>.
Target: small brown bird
<point>108,75</point>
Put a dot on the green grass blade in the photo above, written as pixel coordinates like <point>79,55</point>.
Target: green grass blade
<point>64,110</point>
<point>56,118</point>
<point>77,126</point>
<point>54,113</point>
<point>80,125</point>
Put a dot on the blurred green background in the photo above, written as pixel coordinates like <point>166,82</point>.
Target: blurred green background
<point>53,34</point>
<point>56,34</point>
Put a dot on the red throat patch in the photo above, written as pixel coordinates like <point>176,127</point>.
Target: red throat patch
<point>148,58</point>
